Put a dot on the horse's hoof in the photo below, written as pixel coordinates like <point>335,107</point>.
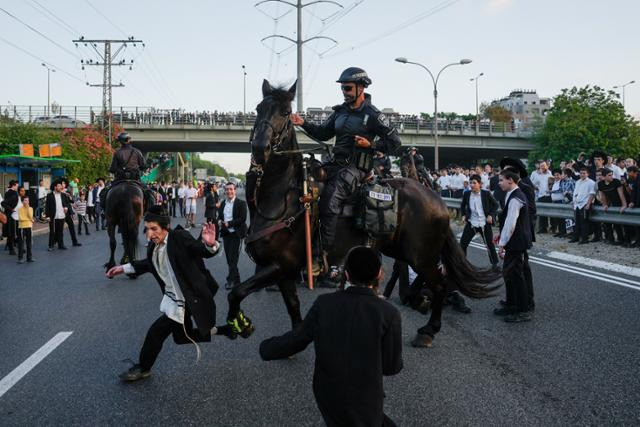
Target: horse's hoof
<point>422,340</point>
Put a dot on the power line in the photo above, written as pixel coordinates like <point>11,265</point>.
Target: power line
<point>41,60</point>
<point>39,33</point>
<point>421,16</point>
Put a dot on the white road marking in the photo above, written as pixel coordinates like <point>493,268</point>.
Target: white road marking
<point>23,369</point>
<point>619,281</point>
<point>629,271</point>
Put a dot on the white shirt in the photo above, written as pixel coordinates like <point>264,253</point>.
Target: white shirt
<point>59,207</point>
<point>444,182</point>
<point>513,213</point>
<point>100,188</point>
<point>14,214</point>
<point>90,198</point>
<point>42,192</point>
<point>485,181</point>
<point>192,195</point>
<point>541,183</point>
<point>556,194</point>
<point>182,192</point>
<point>617,172</point>
<point>457,181</point>
<point>228,212</point>
<point>477,213</point>
<point>584,189</point>
<point>173,303</point>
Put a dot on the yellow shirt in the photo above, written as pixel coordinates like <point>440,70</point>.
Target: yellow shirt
<point>25,217</point>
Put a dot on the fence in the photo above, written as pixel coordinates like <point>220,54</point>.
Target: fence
<point>559,210</point>
<point>77,116</point>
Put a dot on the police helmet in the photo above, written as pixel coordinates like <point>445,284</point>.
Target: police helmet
<point>355,75</point>
<point>124,137</point>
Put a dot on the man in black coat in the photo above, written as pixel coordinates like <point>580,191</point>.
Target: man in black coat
<point>9,204</point>
<point>357,338</point>
<point>479,210</point>
<point>175,258</point>
<point>56,208</point>
<point>69,214</point>
<point>232,217</point>
<point>211,203</point>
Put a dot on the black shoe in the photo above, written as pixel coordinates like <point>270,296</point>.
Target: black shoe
<point>542,231</point>
<point>63,248</point>
<point>518,318</point>
<point>87,233</point>
<point>504,311</point>
<point>50,249</point>
<point>31,260</point>
<point>12,252</point>
<point>77,244</point>
<point>134,373</point>
<point>596,239</point>
<point>228,286</point>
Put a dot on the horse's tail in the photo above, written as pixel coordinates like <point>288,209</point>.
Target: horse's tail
<point>469,279</point>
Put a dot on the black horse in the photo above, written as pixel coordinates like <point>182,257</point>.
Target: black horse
<point>423,238</point>
<point>124,208</point>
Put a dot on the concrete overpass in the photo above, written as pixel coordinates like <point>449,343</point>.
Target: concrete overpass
<point>460,146</point>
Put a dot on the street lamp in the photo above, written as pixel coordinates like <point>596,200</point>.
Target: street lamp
<point>477,111</point>
<point>244,90</point>
<point>435,99</point>
<point>49,71</point>
<point>623,87</point>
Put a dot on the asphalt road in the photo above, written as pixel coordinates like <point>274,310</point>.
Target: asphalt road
<point>576,363</point>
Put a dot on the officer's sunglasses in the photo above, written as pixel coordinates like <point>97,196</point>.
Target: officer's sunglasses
<point>347,88</point>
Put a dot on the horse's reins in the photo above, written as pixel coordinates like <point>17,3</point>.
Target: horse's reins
<point>279,138</point>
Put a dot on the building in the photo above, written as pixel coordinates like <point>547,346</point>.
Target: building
<point>525,106</point>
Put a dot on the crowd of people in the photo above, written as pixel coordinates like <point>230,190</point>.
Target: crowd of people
<point>596,180</point>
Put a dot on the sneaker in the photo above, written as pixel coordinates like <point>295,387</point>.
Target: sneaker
<point>134,373</point>
<point>518,318</point>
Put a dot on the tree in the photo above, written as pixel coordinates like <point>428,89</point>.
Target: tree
<point>90,146</point>
<point>495,113</point>
<point>583,120</point>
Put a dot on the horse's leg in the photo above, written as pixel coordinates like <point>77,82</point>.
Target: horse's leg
<point>291,300</point>
<point>426,334</point>
<point>235,317</point>
<point>111,230</point>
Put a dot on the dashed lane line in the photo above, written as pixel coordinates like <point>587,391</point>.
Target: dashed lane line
<point>32,361</point>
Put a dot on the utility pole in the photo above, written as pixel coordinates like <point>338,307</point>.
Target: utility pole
<point>299,41</point>
<point>244,92</point>
<point>106,60</point>
<point>49,71</point>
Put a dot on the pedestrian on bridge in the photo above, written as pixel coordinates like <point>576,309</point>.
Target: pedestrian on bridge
<point>175,258</point>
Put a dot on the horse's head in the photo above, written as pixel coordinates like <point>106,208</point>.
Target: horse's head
<point>273,122</point>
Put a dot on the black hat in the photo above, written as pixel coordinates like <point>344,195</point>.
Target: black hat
<point>12,183</point>
<point>516,164</point>
<point>363,265</point>
<point>354,75</point>
<point>599,153</point>
<point>157,214</point>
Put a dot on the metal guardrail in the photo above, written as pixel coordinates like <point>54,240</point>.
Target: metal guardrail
<point>560,210</point>
<point>142,117</point>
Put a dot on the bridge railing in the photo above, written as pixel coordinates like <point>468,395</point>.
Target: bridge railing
<point>560,210</point>
<point>150,117</point>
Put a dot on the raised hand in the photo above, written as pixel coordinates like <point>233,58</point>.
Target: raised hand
<point>296,119</point>
<point>209,234</point>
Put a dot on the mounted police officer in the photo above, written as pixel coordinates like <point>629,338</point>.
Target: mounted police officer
<point>355,124</point>
<point>412,156</point>
<point>127,164</point>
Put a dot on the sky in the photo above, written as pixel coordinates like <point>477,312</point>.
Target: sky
<point>194,51</point>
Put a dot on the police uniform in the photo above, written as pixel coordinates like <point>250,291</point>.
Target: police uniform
<point>127,163</point>
<point>350,163</point>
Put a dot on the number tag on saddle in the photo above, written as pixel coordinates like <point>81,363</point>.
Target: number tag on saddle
<point>377,209</point>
